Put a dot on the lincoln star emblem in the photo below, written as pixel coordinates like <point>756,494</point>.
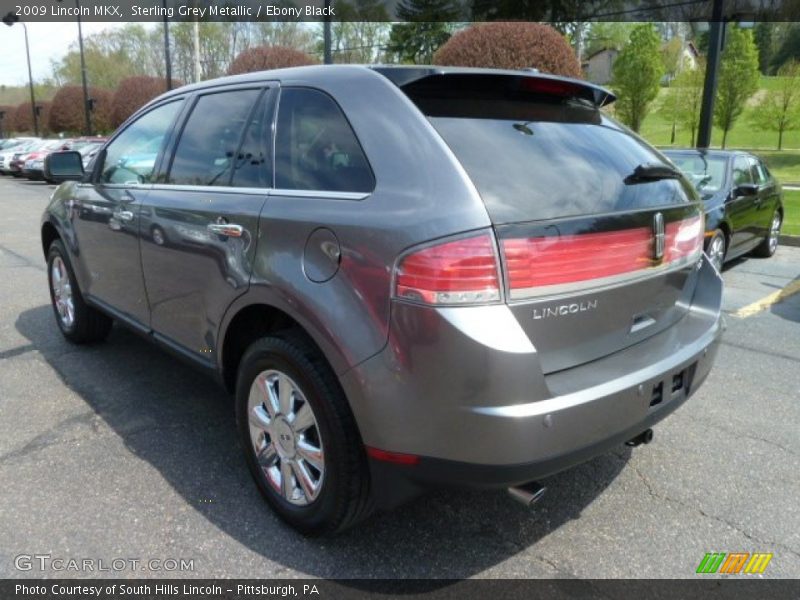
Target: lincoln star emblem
<point>658,233</point>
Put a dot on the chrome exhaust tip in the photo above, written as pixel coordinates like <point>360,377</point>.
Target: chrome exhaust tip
<point>527,493</point>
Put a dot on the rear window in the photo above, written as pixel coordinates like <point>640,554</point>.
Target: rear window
<point>535,158</point>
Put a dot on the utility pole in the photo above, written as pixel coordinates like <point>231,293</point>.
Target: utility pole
<point>326,34</point>
<point>87,107</point>
<point>196,44</point>
<point>9,20</point>
<point>167,59</point>
<point>715,41</point>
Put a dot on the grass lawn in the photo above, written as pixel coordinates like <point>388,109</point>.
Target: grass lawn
<point>791,204</point>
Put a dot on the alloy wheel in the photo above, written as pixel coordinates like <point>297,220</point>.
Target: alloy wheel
<point>716,251</point>
<point>286,437</point>
<point>774,233</point>
<point>62,292</point>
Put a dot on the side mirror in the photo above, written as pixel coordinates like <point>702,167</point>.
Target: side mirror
<point>63,166</point>
<point>746,189</point>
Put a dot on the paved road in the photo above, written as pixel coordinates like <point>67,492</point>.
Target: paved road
<point>120,451</point>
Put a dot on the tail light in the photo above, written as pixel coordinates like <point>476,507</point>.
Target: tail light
<point>567,259</point>
<point>456,272</point>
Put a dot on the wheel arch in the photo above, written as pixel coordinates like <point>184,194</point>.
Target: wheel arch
<point>249,321</point>
<point>49,234</point>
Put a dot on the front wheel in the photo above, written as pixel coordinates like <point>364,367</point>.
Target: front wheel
<point>79,322</point>
<point>770,244</point>
<point>716,249</point>
<point>299,436</point>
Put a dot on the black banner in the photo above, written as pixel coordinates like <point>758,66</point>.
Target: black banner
<point>409,589</point>
<point>398,10</point>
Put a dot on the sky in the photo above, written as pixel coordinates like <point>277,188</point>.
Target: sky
<point>47,41</point>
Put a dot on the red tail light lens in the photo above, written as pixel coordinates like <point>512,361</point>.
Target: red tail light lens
<point>463,271</point>
<point>566,259</point>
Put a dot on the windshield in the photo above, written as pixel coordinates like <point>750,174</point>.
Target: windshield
<point>552,162</point>
<point>706,173</point>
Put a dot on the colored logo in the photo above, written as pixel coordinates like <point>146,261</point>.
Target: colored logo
<point>734,562</point>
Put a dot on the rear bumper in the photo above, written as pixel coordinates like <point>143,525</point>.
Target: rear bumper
<point>469,398</point>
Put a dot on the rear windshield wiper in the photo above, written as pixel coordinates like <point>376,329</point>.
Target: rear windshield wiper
<point>651,172</point>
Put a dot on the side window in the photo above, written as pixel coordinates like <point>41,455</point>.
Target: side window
<point>315,147</point>
<point>760,173</point>
<point>131,156</point>
<point>253,164</point>
<point>741,171</point>
<point>207,150</point>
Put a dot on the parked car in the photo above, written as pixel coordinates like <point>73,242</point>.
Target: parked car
<point>33,163</point>
<point>743,201</point>
<point>439,276</point>
<point>8,152</point>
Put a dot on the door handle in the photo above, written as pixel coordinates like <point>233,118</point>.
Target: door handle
<point>226,229</point>
<point>125,215</point>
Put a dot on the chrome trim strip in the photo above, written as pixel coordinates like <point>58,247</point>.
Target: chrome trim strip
<point>221,189</point>
<point>319,194</point>
<point>596,285</point>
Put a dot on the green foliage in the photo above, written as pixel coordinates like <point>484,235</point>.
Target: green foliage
<point>428,25</point>
<point>778,109</point>
<point>789,48</point>
<point>360,32</point>
<point>738,78</point>
<point>637,73</point>
<point>683,99</point>
<point>671,55</point>
<point>764,42</point>
<point>607,34</point>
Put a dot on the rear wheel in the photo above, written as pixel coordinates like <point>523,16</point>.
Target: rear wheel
<point>717,247</point>
<point>770,244</point>
<point>79,322</point>
<point>299,436</point>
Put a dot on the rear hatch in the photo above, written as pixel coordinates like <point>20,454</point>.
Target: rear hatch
<point>598,236</point>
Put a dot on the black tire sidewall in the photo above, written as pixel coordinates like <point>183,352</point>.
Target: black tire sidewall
<point>279,354</point>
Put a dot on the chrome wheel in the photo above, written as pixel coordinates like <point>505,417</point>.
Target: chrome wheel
<point>716,251</point>
<point>62,292</point>
<point>774,233</point>
<point>285,437</point>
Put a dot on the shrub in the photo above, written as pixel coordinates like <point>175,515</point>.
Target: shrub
<point>22,121</point>
<point>133,93</point>
<point>7,121</point>
<point>67,114</point>
<point>262,58</point>
<point>510,45</point>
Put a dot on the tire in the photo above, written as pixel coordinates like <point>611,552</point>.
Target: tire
<point>717,249</point>
<point>770,244</point>
<point>289,361</point>
<point>79,322</point>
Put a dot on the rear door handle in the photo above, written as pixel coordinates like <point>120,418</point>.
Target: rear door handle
<point>226,229</point>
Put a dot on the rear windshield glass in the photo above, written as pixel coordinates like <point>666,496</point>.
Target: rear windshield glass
<point>706,173</point>
<point>548,159</point>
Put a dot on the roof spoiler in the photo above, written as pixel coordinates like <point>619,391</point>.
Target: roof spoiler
<point>523,80</point>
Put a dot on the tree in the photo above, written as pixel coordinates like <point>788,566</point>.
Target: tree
<point>684,99</point>
<point>779,109</point>
<point>607,34</point>
<point>428,24</point>
<point>360,32</point>
<point>637,73</point>
<point>262,58</point>
<point>764,42</point>
<point>510,46</point>
<point>67,114</point>
<point>789,48</point>
<point>22,121</point>
<point>671,55</point>
<point>133,93</point>
<point>738,78</point>
<point>6,119</point>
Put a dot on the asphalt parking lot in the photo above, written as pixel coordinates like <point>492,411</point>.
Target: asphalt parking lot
<point>120,451</point>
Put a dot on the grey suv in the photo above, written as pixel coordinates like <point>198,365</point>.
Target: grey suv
<point>409,277</point>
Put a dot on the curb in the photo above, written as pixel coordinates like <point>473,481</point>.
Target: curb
<point>789,240</point>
